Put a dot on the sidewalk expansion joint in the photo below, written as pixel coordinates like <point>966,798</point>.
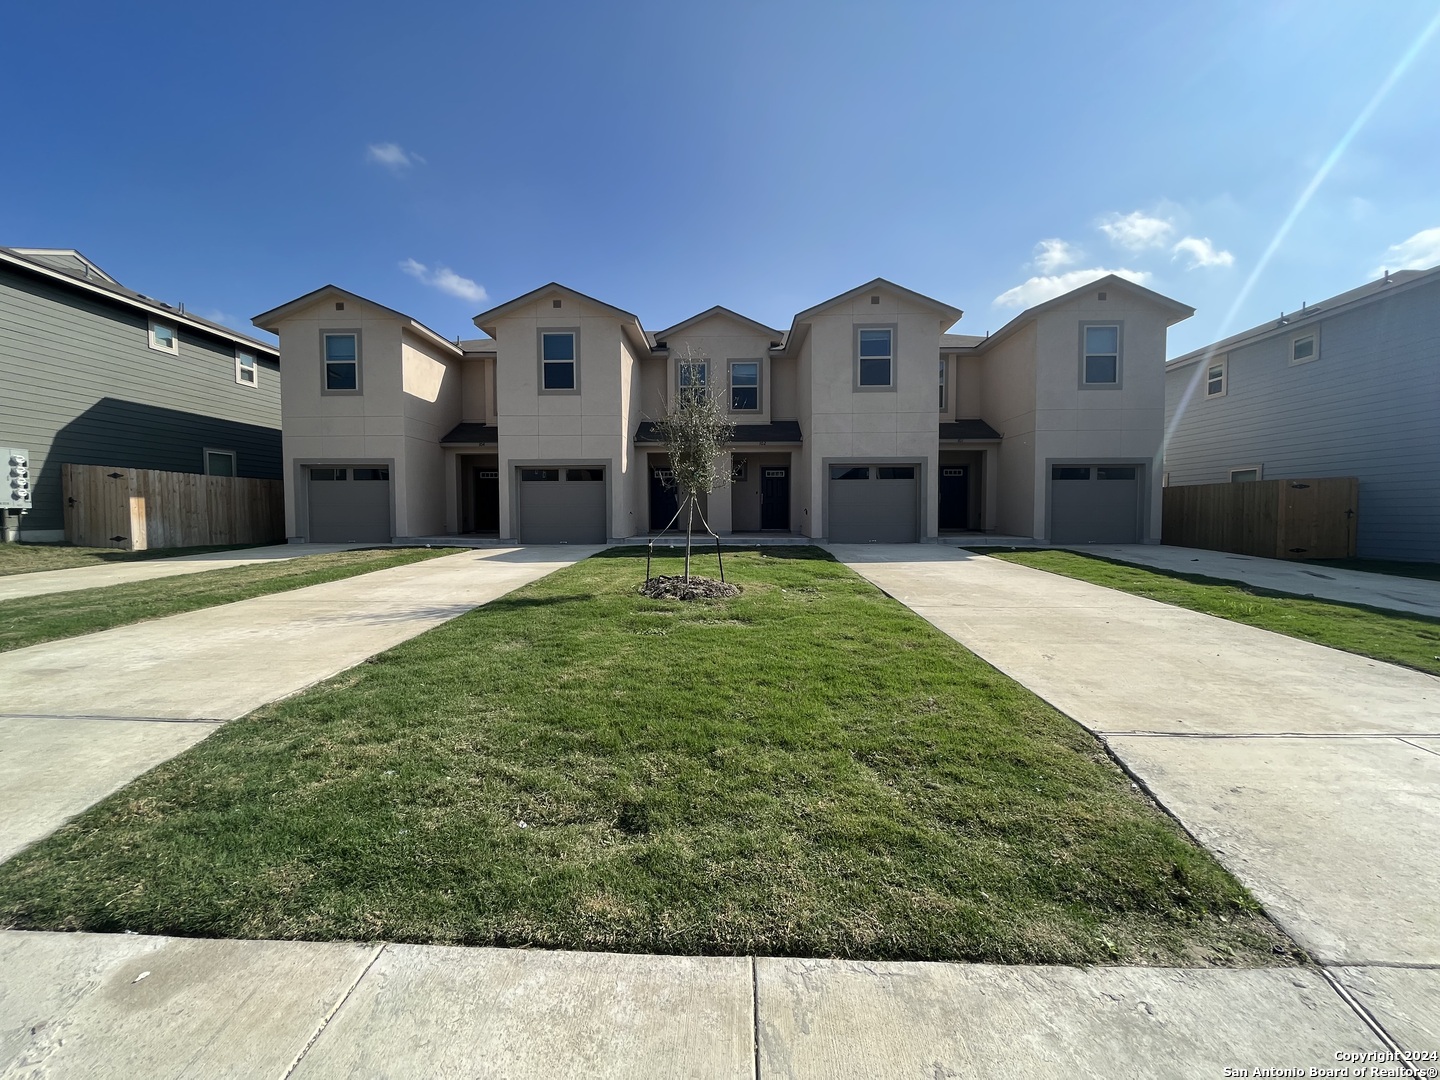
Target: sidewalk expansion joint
<point>1367,1018</point>
<point>1422,746</point>
<point>325,1020</point>
<point>755,1010</point>
<point>125,719</point>
<point>1402,736</point>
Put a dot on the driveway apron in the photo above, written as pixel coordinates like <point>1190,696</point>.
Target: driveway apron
<point>1314,775</point>
<point>84,716</point>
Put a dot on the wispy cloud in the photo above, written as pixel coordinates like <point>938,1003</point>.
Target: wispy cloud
<point>1048,286</point>
<point>1054,253</point>
<point>1137,230</point>
<point>222,317</point>
<point>1420,252</point>
<point>393,156</point>
<point>1201,252</point>
<point>446,280</point>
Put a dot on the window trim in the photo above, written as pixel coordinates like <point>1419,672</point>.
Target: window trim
<point>682,362</point>
<point>1258,470</point>
<point>234,461</point>
<point>1295,339</point>
<point>153,341</point>
<point>1119,383</point>
<point>540,332</point>
<point>254,368</point>
<point>944,384</point>
<point>1224,365</point>
<point>342,331</point>
<point>759,385</point>
<point>876,388</point>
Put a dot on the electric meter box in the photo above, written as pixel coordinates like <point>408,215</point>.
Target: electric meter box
<point>14,479</point>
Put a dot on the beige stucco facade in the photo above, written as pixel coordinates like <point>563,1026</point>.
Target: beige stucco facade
<point>459,423</point>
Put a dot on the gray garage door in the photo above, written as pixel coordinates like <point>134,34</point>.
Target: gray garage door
<point>1094,504</point>
<point>560,505</point>
<point>349,505</point>
<point>874,504</point>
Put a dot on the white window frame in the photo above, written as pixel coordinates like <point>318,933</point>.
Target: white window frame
<point>689,365</point>
<point>1116,383</point>
<point>1258,470</point>
<point>1224,365</point>
<point>234,461</point>
<point>864,387</point>
<point>944,395</point>
<point>759,378</point>
<point>573,332</point>
<point>1295,340</point>
<point>325,362</point>
<point>241,356</point>
<point>154,342</point>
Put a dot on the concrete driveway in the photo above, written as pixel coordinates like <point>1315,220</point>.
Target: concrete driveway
<point>44,582</point>
<point>1415,596</point>
<point>82,717</point>
<point>1314,775</point>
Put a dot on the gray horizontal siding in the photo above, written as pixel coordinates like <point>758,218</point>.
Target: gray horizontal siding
<point>79,383</point>
<point>1368,407</point>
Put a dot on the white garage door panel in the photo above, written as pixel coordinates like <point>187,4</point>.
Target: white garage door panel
<point>1095,504</point>
<point>874,504</point>
<point>562,504</point>
<point>349,504</point>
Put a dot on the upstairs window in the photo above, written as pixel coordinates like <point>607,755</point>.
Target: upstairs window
<point>163,337</point>
<point>693,378</point>
<point>1101,365</point>
<point>744,386</point>
<point>1215,380</point>
<point>1304,348</point>
<point>558,362</point>
<point>942,384</point>
<point>245,370</point>
<point>875,358</point>
<point>342,363</point>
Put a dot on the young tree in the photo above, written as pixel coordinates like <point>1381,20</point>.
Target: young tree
<point>696,431</point>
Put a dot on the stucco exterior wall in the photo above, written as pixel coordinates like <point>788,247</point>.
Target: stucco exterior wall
<point>720,339</point>
<point>1005,374</point>
<point>431,383</point>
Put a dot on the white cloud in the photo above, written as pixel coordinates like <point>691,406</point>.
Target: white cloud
<point>1420,252</point>
<point>446,280</point>
<point>1054,253</point>
<point>1202,253</point>
<point>392,156</point>
<point>222,317</point>
<point>1039,289</point>
<point>1137,231</point>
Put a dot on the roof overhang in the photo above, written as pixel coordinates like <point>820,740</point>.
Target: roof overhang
<point>947,315</point>
<point>1174,309</point>
<point>662,336</point>
<point>486,320</point>
<point>270,320</point>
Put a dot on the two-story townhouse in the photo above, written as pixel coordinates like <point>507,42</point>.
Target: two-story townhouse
<point>1348,386</point>
<point>863,422</point>
<point>94,373</point>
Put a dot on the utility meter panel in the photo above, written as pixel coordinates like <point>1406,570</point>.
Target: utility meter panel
<point>15,480</point>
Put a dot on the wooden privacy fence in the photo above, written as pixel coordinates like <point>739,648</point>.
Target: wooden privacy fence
<point>135,509</point>
<point>1276,519</point>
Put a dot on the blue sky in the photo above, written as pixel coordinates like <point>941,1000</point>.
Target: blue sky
<point>445,157</point>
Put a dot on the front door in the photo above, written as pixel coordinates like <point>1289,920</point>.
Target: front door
<point>663,501</point>
<point>954,497</point>
<point>775,497</point>
<point>487,501</point>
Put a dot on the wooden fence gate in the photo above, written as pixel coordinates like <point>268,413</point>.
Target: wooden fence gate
<point>136,509</point>
<point>1275,519</point>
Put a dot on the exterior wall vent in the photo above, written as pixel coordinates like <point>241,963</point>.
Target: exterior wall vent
<point>1102,296</point>
<point>874,299</point>
<point>339,305</point>
<point>554,303</point>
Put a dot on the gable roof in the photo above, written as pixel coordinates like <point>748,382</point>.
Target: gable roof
<point>1290,322</point>
<point>544,290</point>
<point>942,309</point>
<point>68,267</point>
<point>775,335</point>
<point>269,320</point>
<point>1178,310</point>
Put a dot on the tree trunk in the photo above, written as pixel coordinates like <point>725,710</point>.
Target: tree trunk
<point>689,523</point>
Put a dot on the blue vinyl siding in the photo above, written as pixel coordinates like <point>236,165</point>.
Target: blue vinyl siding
<point>79,384</point>
<point>1368,407</point>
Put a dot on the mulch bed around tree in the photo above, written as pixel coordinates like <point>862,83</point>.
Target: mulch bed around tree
<point>675,587</point>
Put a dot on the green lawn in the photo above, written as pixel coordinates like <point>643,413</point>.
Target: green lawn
<point>30,558</point>
<point>805,769</point>
<point>1408,640</point>
<point>33,619</point>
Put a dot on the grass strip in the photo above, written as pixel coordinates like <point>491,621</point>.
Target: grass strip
<point>804,769</point>
<point>1408,640</point>
<point>33,558</point>
<point>33,619</point>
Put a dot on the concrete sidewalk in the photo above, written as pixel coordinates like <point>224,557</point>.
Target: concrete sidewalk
<point>1414,596</point>
<point>129,1005</point>
<point>83,716</point>
<point>45,582</point>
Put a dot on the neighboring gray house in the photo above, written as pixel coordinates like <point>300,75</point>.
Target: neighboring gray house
<point>1349,386</point>
<point>93,373</point>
